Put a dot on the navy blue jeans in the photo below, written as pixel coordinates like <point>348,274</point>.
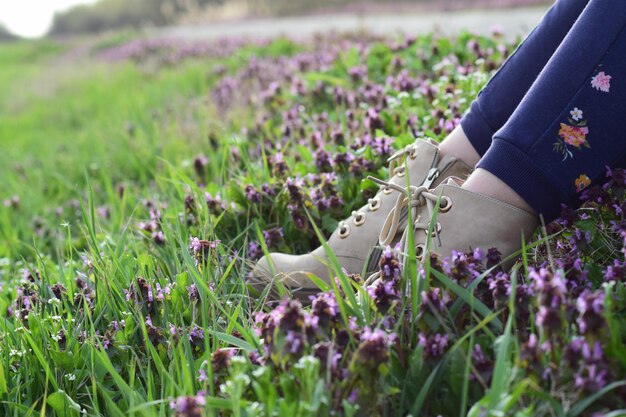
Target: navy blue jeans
<point>550,120</point>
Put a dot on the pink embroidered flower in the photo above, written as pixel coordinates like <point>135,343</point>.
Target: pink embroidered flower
<point>601,82</point>
<point>573,135</point>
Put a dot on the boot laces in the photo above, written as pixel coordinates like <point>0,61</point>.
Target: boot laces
<point>395,162</point>
<point>411,198</point>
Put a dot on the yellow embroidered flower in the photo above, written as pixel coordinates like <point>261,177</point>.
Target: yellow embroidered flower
<point>582,182</point>
<point>573,135</point>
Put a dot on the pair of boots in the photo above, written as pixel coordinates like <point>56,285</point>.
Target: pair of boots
<point>461,220</point>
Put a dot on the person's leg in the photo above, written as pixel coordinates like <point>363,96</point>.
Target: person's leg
<point>458,144</point>
<point>561,137</point>
<point>499,98</point>
<point>484,182</point>
<point>568,127</point>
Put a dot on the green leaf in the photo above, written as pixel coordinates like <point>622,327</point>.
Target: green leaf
<point>502,368</point>
<point>328,223</point>
<point>326,78</point>
<point>63,360</point>
<point>467,296</point>
<point>3,381</point>
<point>232,340</point>
<point>616,413</point>
<point>63,405</point>
<point>417,407</point>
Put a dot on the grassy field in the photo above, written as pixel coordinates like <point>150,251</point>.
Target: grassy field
<point>141,180</point>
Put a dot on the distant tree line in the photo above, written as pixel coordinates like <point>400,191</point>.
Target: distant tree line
<point>290,7</point>
<point>6,35</point>
<point>123,14</point>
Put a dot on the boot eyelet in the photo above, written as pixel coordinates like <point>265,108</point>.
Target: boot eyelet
<point>419,250</point>
<point>445,205</point>
<point>359,218</point>
<point>344,231</point>
<point>413,153</point>
<point>387,190</point>
<point>374,204</point>
<point>400,171</point>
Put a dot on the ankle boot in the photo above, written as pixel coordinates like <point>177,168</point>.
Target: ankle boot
<point>459,220</point>
<point>355,242</point>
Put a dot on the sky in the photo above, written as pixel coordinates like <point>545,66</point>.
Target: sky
<point>32,18</point>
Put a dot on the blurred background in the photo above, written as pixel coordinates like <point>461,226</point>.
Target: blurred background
<point>37,18</point>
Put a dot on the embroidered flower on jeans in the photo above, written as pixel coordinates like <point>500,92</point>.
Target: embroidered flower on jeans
<point>582,182</point>
<point>576,114</point>
<point>601,82</point>
<point>573,135</point>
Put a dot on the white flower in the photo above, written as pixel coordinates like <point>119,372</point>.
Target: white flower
<point>14,352</point>
<point>70,377</point>
<point>577,114</point>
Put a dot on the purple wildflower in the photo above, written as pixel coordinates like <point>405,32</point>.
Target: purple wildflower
<point>590,307</point>
<point>435,345</point>
<point>435,298</point>
<point>374,347</point>
<point>192,293</point>
<point>201,249</point>
<point>252,195</point>
<point>382,146</point>
<point>189,406</point>
<point>551,290</point>
<point>196,335</point>
<point>294,188</point>
<point>13,202</point>
<point>328,354</point>
<point>220,359</point>
<point>254,250</point>
<point>272,236</point>
<point>215,204</point>
<point>324,307</point>
<point>294,342</point>
<point>482,363</point>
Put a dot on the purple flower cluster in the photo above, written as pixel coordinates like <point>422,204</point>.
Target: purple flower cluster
<point>172,51</point>
<point>434,345</point>
<point>551,298</point>
<point>203,250</point>
<point>189,406</point>
<point>289,332</point>
<point>374,347</point>
<point>386,291</point>
<point>153,228</point>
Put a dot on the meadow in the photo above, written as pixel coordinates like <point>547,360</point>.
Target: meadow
<point>141,179</point>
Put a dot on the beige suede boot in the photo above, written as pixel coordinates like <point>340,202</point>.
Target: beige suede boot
<point>354,243</point>
<point>458,220</point>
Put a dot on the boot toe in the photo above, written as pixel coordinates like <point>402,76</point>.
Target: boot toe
<point>292,271</point>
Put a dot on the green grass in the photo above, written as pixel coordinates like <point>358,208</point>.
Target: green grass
<point>92,149</point>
